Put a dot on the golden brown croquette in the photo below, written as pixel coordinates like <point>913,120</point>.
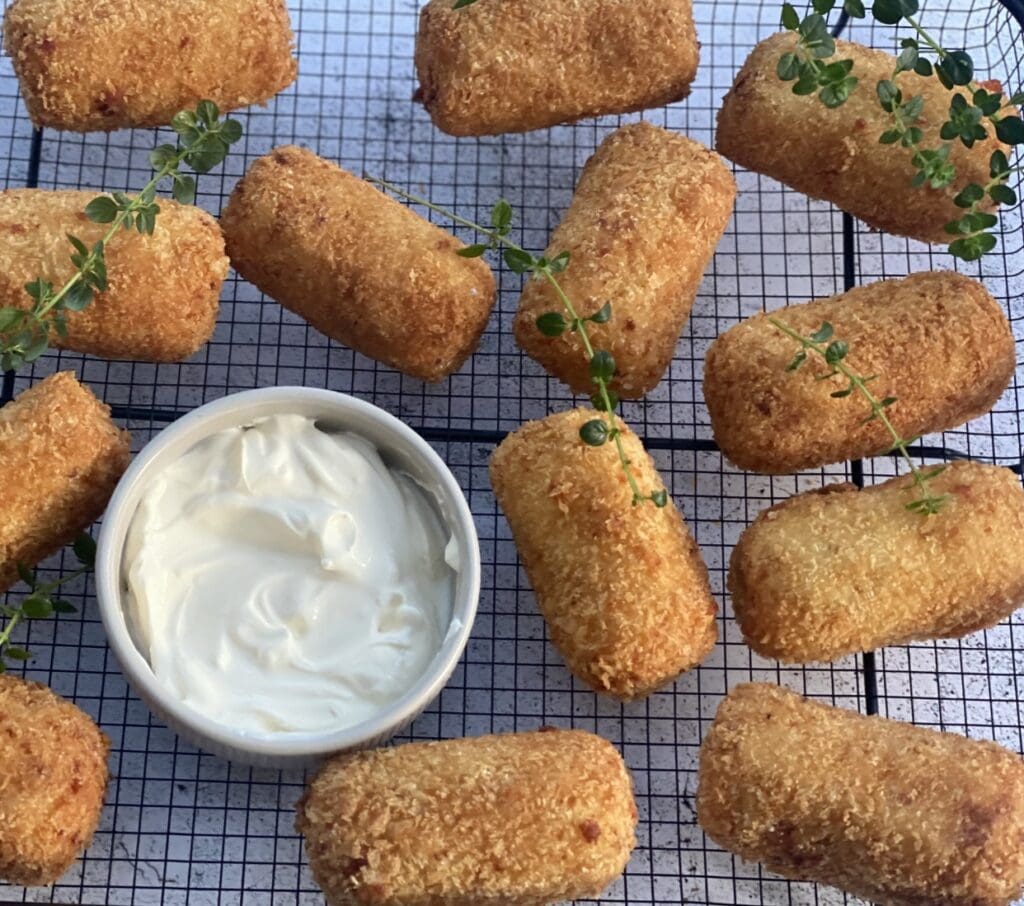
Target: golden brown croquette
<point>518,820</point>
<point>164,290</point>
<point>938,343</point>
<point>64,456</point>
<point>97,65</point>
<point>648,212</point>
<point>623,588</point>
<point>838,570</point>
<point>896,814</point>
<point>516,65</point>
<point>52,784</point>
<point>356,264</point>
<point>834,153</point>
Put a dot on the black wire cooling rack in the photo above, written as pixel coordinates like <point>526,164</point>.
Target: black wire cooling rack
<point>181,827</point>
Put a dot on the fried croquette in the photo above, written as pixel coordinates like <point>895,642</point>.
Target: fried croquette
<point>648,212</point>
<point>518,820</point>
<point>356,264</point>
<point>98,65</point>
<point>164,290</point>
<point>839,570</point>
<point>516,65</point>
<point>896,814</point>
<point>834,153</point>
<point>63,456</point>
<point>623,588</point>
<point>937,342</point>
<point>52,784</point>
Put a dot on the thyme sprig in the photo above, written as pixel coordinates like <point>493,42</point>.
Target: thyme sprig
<point>596,432</point>
<point>203,142</point>
<point>40,604</point>
<point>834,351</point>
<point>967,120</point>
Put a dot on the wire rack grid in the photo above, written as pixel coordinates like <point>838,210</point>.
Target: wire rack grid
<point>183,827</point>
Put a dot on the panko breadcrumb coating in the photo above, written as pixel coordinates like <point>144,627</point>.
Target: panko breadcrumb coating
<point>518,820</point>
<point>96,65</point>
<point>515,65</point>
<point>839,570</point>
<point>938,343</point>
<point>52,782</point>
<point>648,212</point>
<point>63,457</point>
<point>835,154</point>
<point>623,588</point>
<point>896,814</point>
<point>356,264</point>
<point>164,290</point>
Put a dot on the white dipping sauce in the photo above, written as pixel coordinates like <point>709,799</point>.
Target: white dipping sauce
<point>281,579</point>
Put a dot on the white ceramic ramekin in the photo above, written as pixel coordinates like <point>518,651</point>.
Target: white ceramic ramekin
<point>402,448</point>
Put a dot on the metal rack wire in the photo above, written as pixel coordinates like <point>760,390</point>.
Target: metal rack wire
<point>181,827</point>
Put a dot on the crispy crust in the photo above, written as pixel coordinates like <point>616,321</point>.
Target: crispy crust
<point>517,820</point>
<point>623,589</point>
<point>648,212</point>
<point>52,785</point>
<point>516,65</point>
<point>64,456</point>
<point>356,264</point>
<point>896,814</point>
<point>824,575</point>
<point>938,342</point>
<point>164,292</point>
<point>834,154</point>
<point>96,65</point>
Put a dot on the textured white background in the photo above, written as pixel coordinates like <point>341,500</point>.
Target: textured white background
<point>181,827</point>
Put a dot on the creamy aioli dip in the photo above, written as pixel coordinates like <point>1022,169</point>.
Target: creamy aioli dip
<point>282,579</point>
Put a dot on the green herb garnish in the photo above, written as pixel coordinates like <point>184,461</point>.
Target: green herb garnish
<point>40,604</point>
<point>596,432</point>
<point>968,120</point>
<point>204,141</point>
<point>834,351</point>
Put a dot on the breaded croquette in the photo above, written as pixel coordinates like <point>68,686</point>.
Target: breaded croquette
<point>164,290</point>
<point>64,456</point>
<point>518,820</point>
<point>54,778</point>
<point>648,212</point>
<point>839,570</point>
<point>937,342</point>
<point>896,814</point>
<point>623,588</point>
<point>834,153</point>
<point>356,264</point>
<point>515,65</point>
<point>98,65</point>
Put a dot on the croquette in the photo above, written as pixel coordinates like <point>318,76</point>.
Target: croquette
<point>839,570</point>
<point>99,65</point>
<point>896,814</point>
<point>163,295</point>
<point>623,587</point>
<point>52,785</point>
<point>63,457</point>
<point>516,65</point>
<point>356,264</point>
<point>834,153</point>
<point>517,820</point>
<point>648,212</point>
<point>937,342</point>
